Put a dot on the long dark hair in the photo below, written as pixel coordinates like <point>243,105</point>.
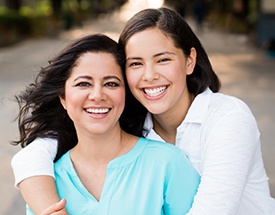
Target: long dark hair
<point>175,27</point>
<point>40,111</point>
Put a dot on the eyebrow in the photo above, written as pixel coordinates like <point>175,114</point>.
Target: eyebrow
<point>91,78</point>
<point>111,77</point>
<point>155,55</point>
<point>163,53</point>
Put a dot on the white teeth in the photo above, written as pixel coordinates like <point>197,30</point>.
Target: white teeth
<point>97,111</point>
<point>155,91</point>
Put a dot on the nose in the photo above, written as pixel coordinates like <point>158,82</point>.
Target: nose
<point>97,94</point>
<point>150,74</point>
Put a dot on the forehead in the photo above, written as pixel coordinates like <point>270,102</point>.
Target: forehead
<point>98,63</point>
<point>149,40</point>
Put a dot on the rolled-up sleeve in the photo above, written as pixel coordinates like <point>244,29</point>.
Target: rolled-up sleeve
<point>36,159</point>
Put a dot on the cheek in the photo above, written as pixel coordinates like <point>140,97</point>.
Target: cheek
<point>178,73</point>
<point>177,76</point>
<point>132,79</point>
<point>73,99</point>
<point>119,99</point>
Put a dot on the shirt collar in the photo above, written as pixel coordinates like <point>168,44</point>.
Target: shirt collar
<point>195,114</point>
<point>198,109</point>
<point>148,124</point>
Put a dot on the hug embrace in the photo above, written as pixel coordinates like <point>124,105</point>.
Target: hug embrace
<point>138,127</point>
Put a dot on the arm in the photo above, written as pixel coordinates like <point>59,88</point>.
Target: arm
<point>181,187</point>
<point>40,194</point>
<point>227,160</point>
<point>34,175</point>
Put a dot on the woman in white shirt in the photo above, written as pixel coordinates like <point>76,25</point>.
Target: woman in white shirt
<point>176,100</point>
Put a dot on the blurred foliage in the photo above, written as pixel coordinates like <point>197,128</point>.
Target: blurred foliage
<point>48,17</point>
<point>223,14</point>
<point>40,18</point>
<point>27,22</point>
<point>13,27</point>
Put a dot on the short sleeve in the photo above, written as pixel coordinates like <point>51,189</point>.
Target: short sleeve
<point>35,159</point>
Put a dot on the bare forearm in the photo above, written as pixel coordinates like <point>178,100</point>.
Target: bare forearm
<point>39,192</point>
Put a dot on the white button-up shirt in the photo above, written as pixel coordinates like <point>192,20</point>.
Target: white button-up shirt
<point>220,137</point>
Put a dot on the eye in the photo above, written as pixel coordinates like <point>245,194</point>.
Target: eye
<point>111,84</point>
<point>134,64</point>
<point>164,60</point>
<point>83,84</point>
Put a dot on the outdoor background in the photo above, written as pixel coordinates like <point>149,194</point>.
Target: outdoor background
<point>238,35</point>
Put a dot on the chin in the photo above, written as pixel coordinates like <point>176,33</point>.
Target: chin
<point>156,110</point>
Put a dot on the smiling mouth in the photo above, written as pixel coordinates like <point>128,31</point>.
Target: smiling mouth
<point>153,92</point>
<point>98,110</point>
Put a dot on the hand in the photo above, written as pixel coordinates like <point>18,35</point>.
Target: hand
<point>56,209</point>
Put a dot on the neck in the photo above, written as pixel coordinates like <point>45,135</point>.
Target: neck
<point>166,124</point>
<point>100,149</point>
<point>92,154</point>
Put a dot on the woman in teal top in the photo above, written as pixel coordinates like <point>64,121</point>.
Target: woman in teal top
<point>152,178</point>
<point>100,169</point>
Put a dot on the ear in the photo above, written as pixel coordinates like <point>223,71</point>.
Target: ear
<point>191,61</point>
<point>62,101</point>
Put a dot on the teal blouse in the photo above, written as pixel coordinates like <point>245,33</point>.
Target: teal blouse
<point>153,178</point>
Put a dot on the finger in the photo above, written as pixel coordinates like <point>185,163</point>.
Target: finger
<point>60,205</point>
<point>54,207</point>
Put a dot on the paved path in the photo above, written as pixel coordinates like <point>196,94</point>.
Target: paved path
<point>244,70</point>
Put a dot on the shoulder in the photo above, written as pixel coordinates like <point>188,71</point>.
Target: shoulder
<point>38,147</point>
<point>65,159</point>
<point>221,102</point>
<point>161,151</point>
<point>165,156</point>
<point>229,115</point>
<point>222,106</point>
<point>223,113</point>
<point>64,169</point>
<point>43,142</point>
<point>211,107</point>
<point>160,146</point>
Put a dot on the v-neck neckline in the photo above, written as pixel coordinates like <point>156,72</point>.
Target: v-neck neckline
<point>109,185</point>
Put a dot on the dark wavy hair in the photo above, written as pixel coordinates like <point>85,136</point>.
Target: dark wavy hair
<point>175,27</point>
<point>40,111</point>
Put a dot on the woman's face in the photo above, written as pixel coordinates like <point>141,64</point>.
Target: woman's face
<point>156,70</point>
<point>95,93</point>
